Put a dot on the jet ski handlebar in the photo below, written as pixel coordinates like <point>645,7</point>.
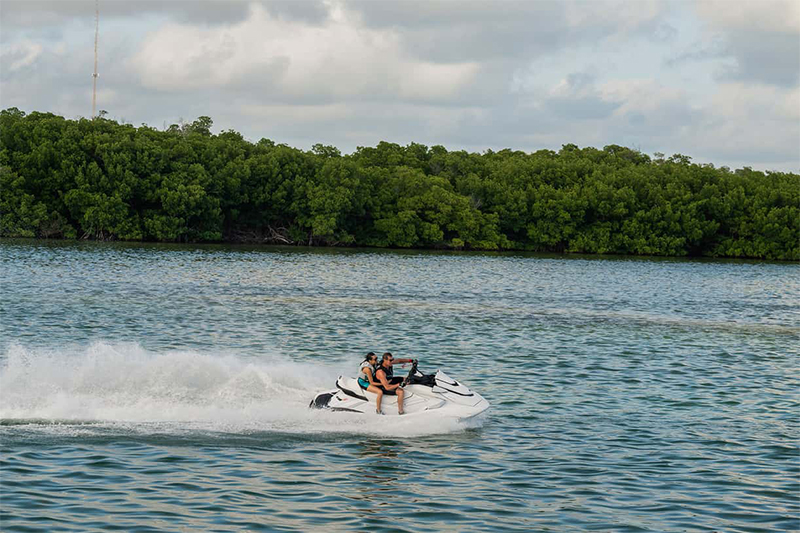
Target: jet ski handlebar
<point>411,372</point>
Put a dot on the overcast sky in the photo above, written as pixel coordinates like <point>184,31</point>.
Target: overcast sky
<point>717,80</point>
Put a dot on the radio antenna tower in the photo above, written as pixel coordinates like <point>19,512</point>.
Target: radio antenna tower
<point>94,74</point>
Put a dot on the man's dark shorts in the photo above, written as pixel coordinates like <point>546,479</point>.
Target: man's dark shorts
<point>388,392</point>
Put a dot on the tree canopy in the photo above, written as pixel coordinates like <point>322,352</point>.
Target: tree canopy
<point>99,179</point>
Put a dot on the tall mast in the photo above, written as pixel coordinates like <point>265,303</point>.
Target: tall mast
<point>94,74</point>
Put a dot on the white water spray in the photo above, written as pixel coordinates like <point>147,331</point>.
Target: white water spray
<point>112,384</point>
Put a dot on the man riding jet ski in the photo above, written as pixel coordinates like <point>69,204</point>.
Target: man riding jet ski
<point>435,393</point>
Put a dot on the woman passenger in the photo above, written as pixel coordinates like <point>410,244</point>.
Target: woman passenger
<point>366,378</point>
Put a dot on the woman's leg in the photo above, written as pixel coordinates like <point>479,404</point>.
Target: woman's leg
<point>379,393</point>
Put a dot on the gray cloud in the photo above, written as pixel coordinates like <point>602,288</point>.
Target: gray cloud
<point>447,31</point>
<point>579,99</point>
<point>761,38</point>
<point>757,56</point>
<point>35,13</point>
<point>24,14</point>
<point>769,57</point>
<point>698,51</point>
<point>582,107</point>
<point>478,30</point>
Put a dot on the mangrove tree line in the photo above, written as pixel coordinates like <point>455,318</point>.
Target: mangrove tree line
<point>99,179</point>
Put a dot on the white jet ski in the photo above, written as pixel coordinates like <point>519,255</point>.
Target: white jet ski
<point>434,393</point>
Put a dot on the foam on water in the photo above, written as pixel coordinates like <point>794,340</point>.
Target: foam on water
<point>123,386</point>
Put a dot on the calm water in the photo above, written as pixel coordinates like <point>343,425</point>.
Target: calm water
<point>150,388</point>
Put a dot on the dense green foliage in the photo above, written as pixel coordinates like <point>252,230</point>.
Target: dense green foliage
<point>99,179</point>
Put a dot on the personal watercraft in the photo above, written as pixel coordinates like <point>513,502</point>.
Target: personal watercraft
<point>423,393</point>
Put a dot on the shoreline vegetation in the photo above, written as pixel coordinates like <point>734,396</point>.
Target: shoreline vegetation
<point>99,179</point>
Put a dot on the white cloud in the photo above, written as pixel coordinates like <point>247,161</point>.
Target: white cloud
<point>434,81</point>
<point>748,118</point>
<point>20,55</point>
<point>306,114</point>
<point>339,59</point>
<point>642,95</point>
<point>790,106</point>
<point>763,15</point>
<point>751,101</point>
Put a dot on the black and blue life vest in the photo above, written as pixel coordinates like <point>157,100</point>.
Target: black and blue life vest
<point>389,373</point>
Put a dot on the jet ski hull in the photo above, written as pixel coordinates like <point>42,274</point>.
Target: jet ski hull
<point>435,394</point>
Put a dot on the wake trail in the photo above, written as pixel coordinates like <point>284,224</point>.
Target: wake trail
<point>124,386</point>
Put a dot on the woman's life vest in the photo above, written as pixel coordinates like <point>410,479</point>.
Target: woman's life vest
<point>363,379</point>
